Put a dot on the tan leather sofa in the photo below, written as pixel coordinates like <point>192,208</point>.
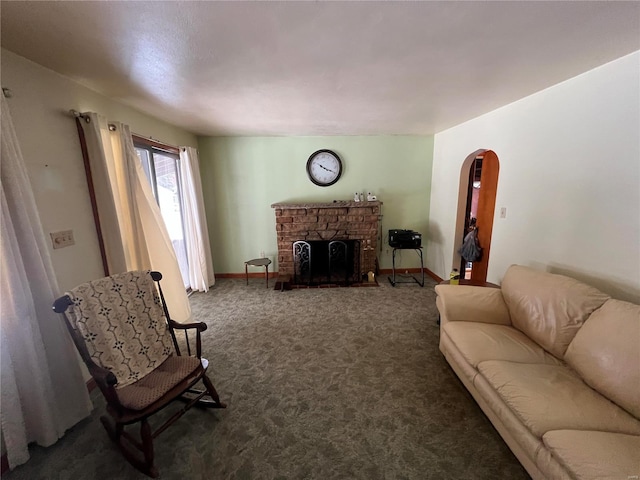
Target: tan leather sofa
<point>555,366</point>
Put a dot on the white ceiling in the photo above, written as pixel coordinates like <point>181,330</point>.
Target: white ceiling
<point>319,68</point>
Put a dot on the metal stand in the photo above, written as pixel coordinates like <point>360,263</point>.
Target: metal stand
<point>393,281</point>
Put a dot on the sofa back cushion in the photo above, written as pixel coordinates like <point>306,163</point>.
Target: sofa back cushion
<point>606,355</point>
<point>548,308</point>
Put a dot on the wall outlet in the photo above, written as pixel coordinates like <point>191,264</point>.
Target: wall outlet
<point>503,212</point>
<point>62,239</point>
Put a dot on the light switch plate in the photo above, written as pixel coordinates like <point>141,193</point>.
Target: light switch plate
<point>62,239</point>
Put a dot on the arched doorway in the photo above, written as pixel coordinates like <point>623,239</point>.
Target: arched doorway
<point>477,200</point>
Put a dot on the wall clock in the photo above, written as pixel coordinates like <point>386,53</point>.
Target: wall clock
<point>324,168</point>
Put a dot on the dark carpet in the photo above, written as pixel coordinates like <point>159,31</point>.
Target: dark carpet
<point>340,383</point>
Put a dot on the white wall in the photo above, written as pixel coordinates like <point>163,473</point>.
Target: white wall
<point>51,149</point>
<point>569,178</point>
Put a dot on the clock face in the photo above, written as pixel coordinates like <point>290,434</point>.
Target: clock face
<point>324,168</point>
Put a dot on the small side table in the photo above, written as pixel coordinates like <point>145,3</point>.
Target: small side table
<point>257,262</point>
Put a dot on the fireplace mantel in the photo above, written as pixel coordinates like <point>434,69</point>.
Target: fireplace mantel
<point>338,220</point>
<point>334,204</point>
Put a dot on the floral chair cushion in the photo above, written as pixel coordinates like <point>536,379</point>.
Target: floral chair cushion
<point>122,323</point>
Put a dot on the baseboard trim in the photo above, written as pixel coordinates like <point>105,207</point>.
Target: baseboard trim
<point>433,275</point>
<point>388,271</point>
<point>384,271</point>
<point>251,275</point>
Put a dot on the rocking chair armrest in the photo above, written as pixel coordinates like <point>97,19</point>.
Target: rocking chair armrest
<point>200,326</point>
<point>102,376</point>
<point>197,326</point>
<point>106,382</point>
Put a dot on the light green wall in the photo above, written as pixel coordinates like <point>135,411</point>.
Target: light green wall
<point>243,176</point>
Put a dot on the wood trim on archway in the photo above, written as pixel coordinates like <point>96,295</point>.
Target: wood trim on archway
<point>486,212</point>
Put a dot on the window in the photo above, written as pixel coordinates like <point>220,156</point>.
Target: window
<point>162,168</point>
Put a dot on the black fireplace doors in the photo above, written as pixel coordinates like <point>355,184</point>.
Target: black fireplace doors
<point>326,262</point>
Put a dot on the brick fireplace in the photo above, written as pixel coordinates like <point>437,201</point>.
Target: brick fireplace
<point>340,220</point>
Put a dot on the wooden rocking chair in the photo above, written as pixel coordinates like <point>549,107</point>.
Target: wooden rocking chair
<point>122,329</point>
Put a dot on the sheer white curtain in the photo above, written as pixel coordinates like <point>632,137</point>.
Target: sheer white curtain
<point>201,275</point>
<point>133,231</point>
<point>42,390</point>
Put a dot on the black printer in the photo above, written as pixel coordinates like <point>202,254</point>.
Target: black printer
<point>405,239</point>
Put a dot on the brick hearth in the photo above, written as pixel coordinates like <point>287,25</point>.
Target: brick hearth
<point>327,221</point>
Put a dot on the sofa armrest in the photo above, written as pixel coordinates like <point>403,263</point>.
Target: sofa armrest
<point>471,304</point>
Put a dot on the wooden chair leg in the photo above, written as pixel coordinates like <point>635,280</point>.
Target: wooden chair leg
<point>213,393</point>
<point>109,428</point>
<point>118,435</point>
<point>147,447</point>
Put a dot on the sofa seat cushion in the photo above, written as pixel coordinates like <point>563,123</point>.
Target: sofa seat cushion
<point>552,397</point>
<point>595,455</point>
<point>152,387</point>
<point>478,342</point>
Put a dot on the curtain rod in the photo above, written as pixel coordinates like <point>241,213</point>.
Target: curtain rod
<point>112,127</point>
<point>84,116</point>
<point>157,143</point>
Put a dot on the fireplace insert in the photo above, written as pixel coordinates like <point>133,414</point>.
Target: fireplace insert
<point>326,262</point>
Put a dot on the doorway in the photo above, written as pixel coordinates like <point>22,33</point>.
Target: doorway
<point>477,197</point>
